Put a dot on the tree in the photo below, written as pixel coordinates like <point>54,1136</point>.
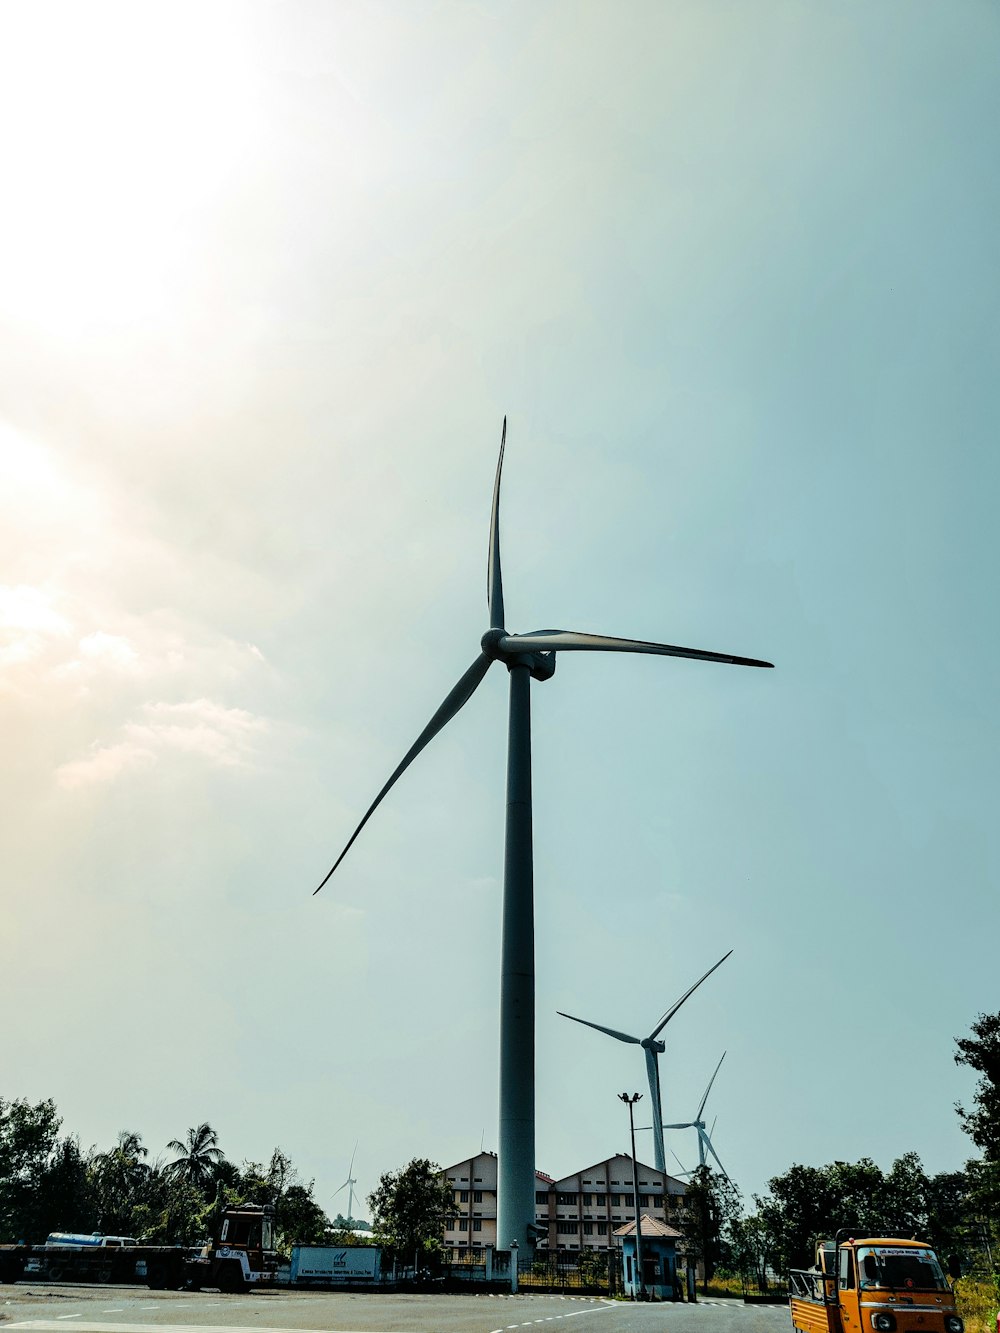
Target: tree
<point>711,1206</point>
<point>64,1198</point>
<point>28,1136</point>
<point>198,1156</point>
<point>410,1208</point>
<point>808,1203</point>
<point>122,1183</point>
<point>981,1052</point>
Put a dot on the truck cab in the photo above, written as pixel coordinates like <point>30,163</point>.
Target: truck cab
<point>873,1285</point>
<point>242,1253</point>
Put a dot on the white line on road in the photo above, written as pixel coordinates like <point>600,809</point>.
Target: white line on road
<point>115,1327</point>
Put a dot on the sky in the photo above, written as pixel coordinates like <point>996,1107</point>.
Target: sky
<point>271,275</point>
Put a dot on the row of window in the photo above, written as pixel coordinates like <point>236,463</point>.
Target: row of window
<point>458,1224</point>
<point>462,1196</point>
<point>589,1228</point>
<point>598,1200</point>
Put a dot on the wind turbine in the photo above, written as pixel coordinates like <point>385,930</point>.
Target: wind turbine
<point>704,1139</point>
<point>526,657</point>
<point>654,1049</point>
<point>348,1185</point>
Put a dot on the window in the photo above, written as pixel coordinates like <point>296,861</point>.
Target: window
<point>566,1200</point>
<point>541,1196</point>
<point>588,1228</point>
<point>478,1180</point>
<point>616,1201</point>
<point>588,1201</point>
<point>463,1196</point>
<point>477,1225</point>
<point>896,1266</point>
<point>565,1228</point>
<point>477,1196</point>
<point>643,1200</point>
<point>601,1200</point>
<point>846,1268</point>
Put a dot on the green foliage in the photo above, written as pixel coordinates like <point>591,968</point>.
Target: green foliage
<point>198,1156</point>
<point>711,1208</point>
<point>807,1203</point>
<point>28,1142</point>
<point>981,1052</point>
<point>410,1208</point>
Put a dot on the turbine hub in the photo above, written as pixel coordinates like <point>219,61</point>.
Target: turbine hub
<point>490,643</point>
<point>541,665</point>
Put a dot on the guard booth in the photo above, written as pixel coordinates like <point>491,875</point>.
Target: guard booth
<point>658,1247</point>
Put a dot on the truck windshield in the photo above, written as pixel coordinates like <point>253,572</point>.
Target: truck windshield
<point>901,1268</point>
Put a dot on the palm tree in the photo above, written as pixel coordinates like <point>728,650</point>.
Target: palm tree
<point>198,1156</point>
<point>121,1180</point>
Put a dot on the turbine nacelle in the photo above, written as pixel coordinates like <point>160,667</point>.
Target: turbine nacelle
<point>494,644</point>
<point>650,1044</point>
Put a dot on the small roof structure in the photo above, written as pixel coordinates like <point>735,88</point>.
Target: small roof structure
<point>651,1227</point>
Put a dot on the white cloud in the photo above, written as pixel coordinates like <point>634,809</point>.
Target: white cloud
<point>224,737</point>
<point>104,764</point>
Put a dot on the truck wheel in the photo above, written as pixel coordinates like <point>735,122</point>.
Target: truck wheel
<point>231,1279</point>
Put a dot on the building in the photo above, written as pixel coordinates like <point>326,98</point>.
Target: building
<point>579,1212</point>
<point>659,1259</point>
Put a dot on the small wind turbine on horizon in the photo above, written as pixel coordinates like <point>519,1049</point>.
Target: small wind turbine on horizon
<point>653,1049</point>
<point>348,1185</point>
<point>527,657</point>
<point>704,1138</point>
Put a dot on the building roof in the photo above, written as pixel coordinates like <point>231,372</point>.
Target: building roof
<point>651,1226</point>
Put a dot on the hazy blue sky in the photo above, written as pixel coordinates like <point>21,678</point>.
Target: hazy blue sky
<point>270,276</point>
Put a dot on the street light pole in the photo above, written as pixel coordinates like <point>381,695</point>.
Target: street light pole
<point>630,1103</point>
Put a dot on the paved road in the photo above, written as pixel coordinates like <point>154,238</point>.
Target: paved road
<point>85,1309</point>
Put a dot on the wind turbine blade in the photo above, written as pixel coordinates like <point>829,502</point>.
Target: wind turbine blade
<point>688,1124</point>
<point>708,1145</point>
<point>676,1158</point>
<point>619,1036</point>
<point>339,1188</point>
<point>687,995</point>
<point>350,1169</point>
<point>709,1088</point>
<point>494,582</point>
<point>565,641</point>
<point>457,699</point>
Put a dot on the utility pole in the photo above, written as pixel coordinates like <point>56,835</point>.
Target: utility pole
<point>630,1103</point>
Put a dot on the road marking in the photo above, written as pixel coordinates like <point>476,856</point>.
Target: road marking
<point>115,1327</point>
<point>115,1309</point>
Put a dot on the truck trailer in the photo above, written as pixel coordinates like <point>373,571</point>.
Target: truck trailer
<point>239,1256</point>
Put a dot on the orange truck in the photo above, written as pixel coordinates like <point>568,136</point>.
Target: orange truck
<point>874,1284</point>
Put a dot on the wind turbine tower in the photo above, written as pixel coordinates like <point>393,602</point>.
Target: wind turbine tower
<point>527,657</point>
<point>653,1049</point>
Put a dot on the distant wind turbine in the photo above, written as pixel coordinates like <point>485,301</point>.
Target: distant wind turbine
<point>653,1049</point>
<point>704,1138</point>
<point>527,657</point>
<point>348,1185</point>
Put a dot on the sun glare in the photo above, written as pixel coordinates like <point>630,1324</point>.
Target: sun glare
<point>131,118</point>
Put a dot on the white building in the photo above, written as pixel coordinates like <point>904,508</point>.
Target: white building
<point>579,1212</point>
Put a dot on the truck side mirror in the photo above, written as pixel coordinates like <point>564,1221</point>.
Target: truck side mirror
<point>954,1267</point>
<point>870,1266</point>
